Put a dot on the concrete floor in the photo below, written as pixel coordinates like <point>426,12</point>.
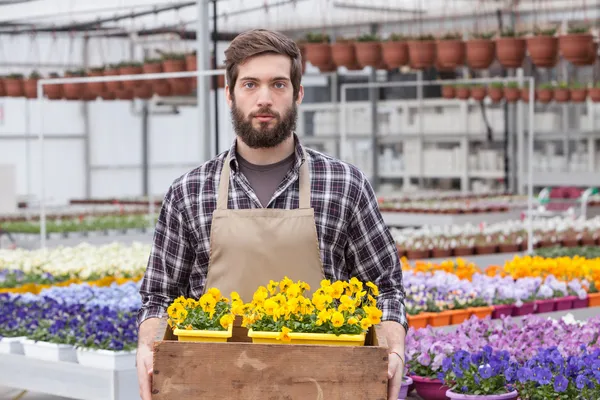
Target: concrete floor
<point>9,394</point>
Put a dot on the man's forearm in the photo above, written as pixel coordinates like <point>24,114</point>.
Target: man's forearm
<point>147,332</point>
<point>394,335</point>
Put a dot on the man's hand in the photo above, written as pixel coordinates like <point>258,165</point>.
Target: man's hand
<point>393,333</point>
<point>144,360</point>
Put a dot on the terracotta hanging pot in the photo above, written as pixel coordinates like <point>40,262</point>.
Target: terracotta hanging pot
<point>544,95</point>
<point>152,66</point>
<point>595,94</point>
<point>543,50</point>
<point>319,54</point>
<point>496,93</point>
<point>2,91</point>
<point>512,94</point>
<point>511,51</point>
<point>124,94</point>
<point>480,53</point>
<point>525,94</point>
<point>108,95</point>
<point>368,54</point>
<point>578,95</point>
<point>394,53</point>
<point>54,92</point>
<point>562,95</point>
<point>450,53</point>
<point>463,92</point>
<point>30,87</point>
<point>74,91</point>
<point>449,92</point>
<point>113,86</point>
<point>593,54</point>
<point>576,47</point>
<point>143,92</point>
<point>174,63</point>
<point>478,92</point>
<point>96,88</point>
<point>191,62</point>
<point>328,68</point>
<point>162,88</point>
<point>421,53</point>
<point>343,54</point>
<point>131,69</point>
<point>13,86</point>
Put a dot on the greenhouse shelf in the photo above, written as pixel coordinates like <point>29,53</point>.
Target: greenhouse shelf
<point>67,379</point>
<point>401,219</point>
<point>32,241</point>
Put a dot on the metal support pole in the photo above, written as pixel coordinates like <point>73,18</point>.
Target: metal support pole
<point>373,99</point>
<point>145,151</point>
<point>203,57</point>
<point>530,166</point>
<point>85,110</point>
<point>215,78</point>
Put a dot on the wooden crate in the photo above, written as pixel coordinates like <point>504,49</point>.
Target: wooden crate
<point>240,369</point>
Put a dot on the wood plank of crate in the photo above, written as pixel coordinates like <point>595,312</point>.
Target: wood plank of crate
<point>241,370</point>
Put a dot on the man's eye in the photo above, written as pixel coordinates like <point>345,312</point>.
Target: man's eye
<point>279,85</point>
<point>249,85</point>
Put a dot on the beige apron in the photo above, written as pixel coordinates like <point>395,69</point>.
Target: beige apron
<point>250,247</point>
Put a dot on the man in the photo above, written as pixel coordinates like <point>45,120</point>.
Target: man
<point>269,208</point>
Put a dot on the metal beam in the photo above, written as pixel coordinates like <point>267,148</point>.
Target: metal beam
<point>350,6</point>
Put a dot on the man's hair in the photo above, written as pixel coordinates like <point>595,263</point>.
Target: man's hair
<point>262,41</point>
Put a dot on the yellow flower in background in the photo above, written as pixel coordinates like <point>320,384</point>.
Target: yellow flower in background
<point>373,315</point>
<point>373,287</point>
<point>189,327</point>
<point>235,297</point>
<point>325,283</point>
<point>272,287</point>
<point>260,295</point>
<point>355,285</point>
<point>337,289</point>
<point>372,300</point>
<point>207,302</point>
<point>215,293</point>
<point>285,283</point>
<point>180,300</point>
<point>352,321</point>
<point>226,321</point>
<point>270,306</point>
<point>337,319</point>
<point>190,303</point>
<point>293,290</point>
<point>304,286</point>
<point>323,317</point>
<point>284,334</point>
<point>365,324</point>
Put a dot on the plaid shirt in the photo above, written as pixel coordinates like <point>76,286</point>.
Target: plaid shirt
<point>353,239</point>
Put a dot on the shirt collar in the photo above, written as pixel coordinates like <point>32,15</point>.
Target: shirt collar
<point>300,159</point>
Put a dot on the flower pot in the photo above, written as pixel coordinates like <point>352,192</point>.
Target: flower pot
<point>575,48</point>
<point>570,242</point>
<point>544,95</point>
<point>463,251</point>
<point>441,253</point>
<point>2,91</point>
<point>368,54</point>
<point>458,316</point>
<point>594,299</point>
<point>49,351</point>
<point>505,396</point>
<point>175,65</point>
<point>394,53</point>
<point>106,359</point>
<point>502,310</point>
<point>421,53</point>
<point>562,95</point>
<point>510,52</point>
<point>485,249</point>
<point>12,345</point>
<point>162,88</point>
<point>525,94</point>
<point>578,95</point>
<point>14,87</point>
<point>478,93</point>
<point>417,254</point>
<point>480,53</point>
<point>197,335</point>
<point>30,88</point>
<point>319,54</point>
<point>440,319</point>
<point>496,94</point>
<point>419,321</point>
<point>463,93</point>
<point>343,54</point>
<point>450,53</point>
<point>191,62</point>
<point>565,303</point>
<point>95,88</point>
<point>74,91</point>
<point>525,309</point>
<point>512,94</point>
<point>449,92</point>
<point>580,303</point>
<point>543,50</point>
<point>545,306</point>
<point>481,312</point>
<point>406,383</point>
<point>508,248</point>
<point>143,92</point>
<point>430,389</point>
<point>124,94</point>
<point>113,86</point>
<point>131,71</point>
<point>321,339</point>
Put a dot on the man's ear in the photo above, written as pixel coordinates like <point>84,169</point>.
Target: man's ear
<point>300,95</point>
<point>228,96</point>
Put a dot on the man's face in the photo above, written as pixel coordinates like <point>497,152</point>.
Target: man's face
<point>263,109</point>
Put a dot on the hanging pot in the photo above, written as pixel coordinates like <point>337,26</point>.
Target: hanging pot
<point>496,93</point>
<point>478,92</point>
<point>191,62</point>
<point>368,54</point>
<point>108,95</point>
<point>319,54</point>
<point>544,95</point>
<point>450,53</point>
<point>525,94</point>
<point>343,54</point>
<point>30,88</point>
<point>124,94</point>
<point>576,47</point>
<point>480,53</point>
<point>562,95</point>
<point>449,92</point>
<point>421,53</point>
<point>511,52</point>
<point>152,68</point>
<point>593,54</point>
<point>2,91</point>
<point>143,92</point>
<point>113,86</point>
<point>512,94</point>
<point>174,65</point>
<point>74,91</point>
<point>578,95</point>
<point>394,53</point>
<point>54,92</point>
<point>595,94</point>
<point>131,70</point>
<point>543,50</point>
<point>95,88</point>
<point>14,87</point>
<point>463,92</point>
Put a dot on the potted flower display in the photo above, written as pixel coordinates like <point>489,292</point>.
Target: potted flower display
<point>545,93</point>
<point>209,319</point>
<point>368,50</point>
<point>450,51</point>
<point>338,313</point>
<point>422,51</point>
<point>480,375</point>
<point>577,45</point>
<point>595,92</point>
<point>394,51</point>
<point>481,50</point>
<point>512,93</point>
<point>496,91</point>
<point>318,50</point>
<point>579,92</point>
<point>543,48</point>
<point>511,48</point>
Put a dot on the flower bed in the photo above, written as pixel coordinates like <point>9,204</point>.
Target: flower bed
<point>453,204</point>
<point>505,237</point>
<point>90,223</point>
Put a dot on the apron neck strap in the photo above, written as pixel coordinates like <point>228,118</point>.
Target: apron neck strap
<point>304,179</point>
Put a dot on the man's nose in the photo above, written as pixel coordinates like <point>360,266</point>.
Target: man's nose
<point>264,97</point>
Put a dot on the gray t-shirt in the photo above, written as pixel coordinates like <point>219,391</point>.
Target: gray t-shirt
<point>265,179</point>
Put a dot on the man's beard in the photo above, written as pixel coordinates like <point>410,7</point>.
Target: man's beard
<point>264,136</point>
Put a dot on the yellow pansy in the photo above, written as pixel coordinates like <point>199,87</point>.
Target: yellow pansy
<point>293,290</point>
<point>337,289</point>
<point>226,321</point>
<point>337,319</point>
<point>365,324</point>
<point>207,302</point>
<point>374,288</point>
<point>272,287</point>
<point>355,285</point>
<point>352,321</point>
<point>215,293</point>
<point>284,334</point>
<point>285,283</point>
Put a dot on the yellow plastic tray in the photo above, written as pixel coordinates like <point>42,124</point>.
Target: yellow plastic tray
<point>196,335</point>
<point>322,339</point>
